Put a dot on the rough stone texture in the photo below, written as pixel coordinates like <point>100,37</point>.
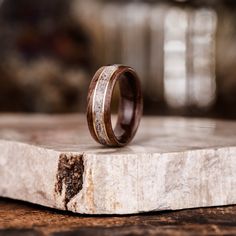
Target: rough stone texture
<point>70,173</point>
<point>173,163</point>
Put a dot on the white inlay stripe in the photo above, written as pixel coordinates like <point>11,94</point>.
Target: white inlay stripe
<point>99,96</point>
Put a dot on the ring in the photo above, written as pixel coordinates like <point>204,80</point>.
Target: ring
<point>99,105</point>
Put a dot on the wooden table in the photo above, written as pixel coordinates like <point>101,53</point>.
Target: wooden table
<point>19,218</point>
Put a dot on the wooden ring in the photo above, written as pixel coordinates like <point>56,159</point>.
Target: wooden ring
<point>99,105</point>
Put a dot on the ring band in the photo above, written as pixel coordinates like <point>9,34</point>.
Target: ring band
<point>99,105</point>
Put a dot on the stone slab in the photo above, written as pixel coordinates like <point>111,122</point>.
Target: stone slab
<point>173,163</point>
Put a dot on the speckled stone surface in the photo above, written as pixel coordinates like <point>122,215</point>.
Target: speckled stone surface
<point>173,163</point>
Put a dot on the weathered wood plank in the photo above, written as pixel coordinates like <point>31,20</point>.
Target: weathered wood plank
<point>173,163</point>
<point>18,218</point>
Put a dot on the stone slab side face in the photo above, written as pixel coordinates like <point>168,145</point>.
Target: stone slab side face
<point>139,178</point>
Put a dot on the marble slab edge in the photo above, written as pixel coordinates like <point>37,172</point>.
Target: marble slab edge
<point>89,183</point>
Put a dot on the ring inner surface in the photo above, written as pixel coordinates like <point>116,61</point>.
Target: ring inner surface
<point>127,106</point>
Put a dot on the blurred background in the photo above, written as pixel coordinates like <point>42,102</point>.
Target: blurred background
<point>183,51</point>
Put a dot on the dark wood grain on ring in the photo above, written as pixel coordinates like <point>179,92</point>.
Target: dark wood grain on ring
<point>130,106</point>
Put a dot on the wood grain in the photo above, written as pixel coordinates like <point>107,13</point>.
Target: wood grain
<point>19,218</point>
<point>99,105</point>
